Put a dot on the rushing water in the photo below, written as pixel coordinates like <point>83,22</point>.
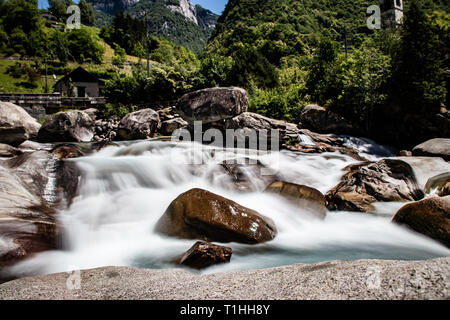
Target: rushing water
<point>125,191</point>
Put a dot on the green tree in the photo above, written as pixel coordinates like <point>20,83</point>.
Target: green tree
<point>417,79</point>
<point>87,13</point>
<point>59,8</point>
<point>320,78</point>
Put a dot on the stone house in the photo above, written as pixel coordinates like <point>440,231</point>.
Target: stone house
<point>80,84</point>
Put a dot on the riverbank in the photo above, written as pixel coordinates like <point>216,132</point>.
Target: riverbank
<point>336,280</point>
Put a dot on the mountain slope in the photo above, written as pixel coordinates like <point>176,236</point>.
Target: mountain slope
<point>178,21</point>
<point>282,27</point>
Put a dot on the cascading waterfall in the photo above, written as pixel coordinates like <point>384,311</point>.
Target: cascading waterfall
<point>125,190</point>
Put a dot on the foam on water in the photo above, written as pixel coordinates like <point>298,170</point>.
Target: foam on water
<point>126,190</point>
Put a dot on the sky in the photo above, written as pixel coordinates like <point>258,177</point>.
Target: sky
<point>215,6</point>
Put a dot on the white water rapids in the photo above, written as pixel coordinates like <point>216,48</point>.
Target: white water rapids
<point>126,190</point>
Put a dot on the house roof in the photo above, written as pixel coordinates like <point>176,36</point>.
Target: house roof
<point>80,75</point>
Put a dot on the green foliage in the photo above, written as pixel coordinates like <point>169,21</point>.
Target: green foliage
<point>87,13</point>
<point>173,69</point>
<point>417,79</point>
<point>59,8</point>
<point>118,110</point>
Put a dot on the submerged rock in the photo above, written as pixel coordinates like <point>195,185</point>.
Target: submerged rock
<point>321,143</point>
<point>368,182</point>
<point>67,151</point>
<point>16,125</point>
<point>199,214</point>
<point>434,148</point>
<point>243,174</point>
<point>430,217</point>
<point>204,254</point>
<point>304,197</point>
<point>139,125</point>
<point>213,104</point>
<point>68,126</point>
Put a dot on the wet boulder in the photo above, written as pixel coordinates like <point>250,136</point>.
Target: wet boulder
<point>430,217</point>
<point>434,148</point>
<point>213,104</point>
<point>16,125</point>
<point>170,126</point>
<point>68,126</point>
<point>249,123</point>
<point>7,151</point>
<point>67,151</point>
<point>199,214</point>
<point>139,125</point>
<point>27,224</point>
<point>440,184</point>
<point>369,182</point>
<point>302,196</point>
<point>321,120</point>
<point>204,254</point>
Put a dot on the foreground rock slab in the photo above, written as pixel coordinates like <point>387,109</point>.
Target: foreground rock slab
<point>199,214</point>
<point>336,280</point>
<point>430,217</point>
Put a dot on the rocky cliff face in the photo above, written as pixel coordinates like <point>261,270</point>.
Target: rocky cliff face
<point>186,8</point>
<point>202,17</point>
<point>112,7</point>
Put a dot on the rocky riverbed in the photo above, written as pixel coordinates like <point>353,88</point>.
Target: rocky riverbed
<point>90,192</point>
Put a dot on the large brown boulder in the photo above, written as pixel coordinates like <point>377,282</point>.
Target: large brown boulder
<point>434,148</point>
<point>199,214</point>
<point>304,197</point>
<point>321,120</point>
<point>67,126</point>
<point>430,217</point>
<point>369,182</point>
<point>16,125</point>
<point>213,104</point>
<point>204,254</point>
<point>139,125</point>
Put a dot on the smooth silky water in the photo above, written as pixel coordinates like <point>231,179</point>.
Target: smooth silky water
<point>126,189</point>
